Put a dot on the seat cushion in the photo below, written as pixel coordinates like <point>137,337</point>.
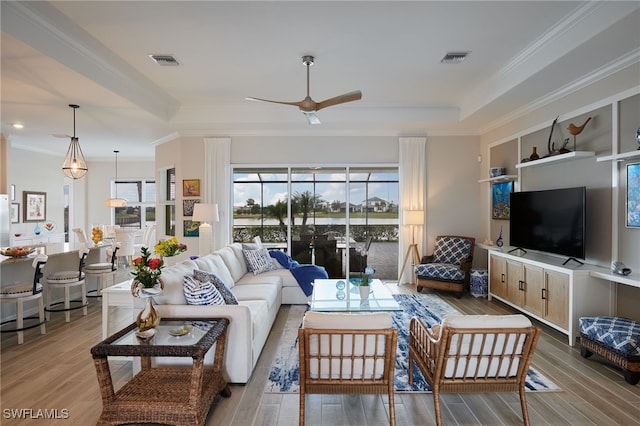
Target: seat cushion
<point>442,271</point>
<point>621,334</point>
<point>452,250</point>
<point>98,267</point>
<point>65,277</point>
<point>19,290</point>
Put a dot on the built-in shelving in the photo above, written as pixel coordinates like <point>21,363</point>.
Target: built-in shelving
<point>620,157</point>
<point>569,156</point>
<point>503,178</point>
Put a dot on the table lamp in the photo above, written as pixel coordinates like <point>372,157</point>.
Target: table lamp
<point>205,213</point>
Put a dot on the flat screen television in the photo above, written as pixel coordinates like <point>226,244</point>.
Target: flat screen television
<point>551,221</point>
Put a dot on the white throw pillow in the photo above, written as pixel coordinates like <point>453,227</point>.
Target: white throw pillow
<point>201,293</point>
<point>258,261</point>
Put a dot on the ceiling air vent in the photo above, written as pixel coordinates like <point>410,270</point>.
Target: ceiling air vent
<point>454,57</point>
<point>165,60</point>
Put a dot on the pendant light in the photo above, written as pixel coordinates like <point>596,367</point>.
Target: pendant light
<point>74,165</point>
<point>116,202</point>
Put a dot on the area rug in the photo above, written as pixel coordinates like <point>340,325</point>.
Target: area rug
<point>284,375</point>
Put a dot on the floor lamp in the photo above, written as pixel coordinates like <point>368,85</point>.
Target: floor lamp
<point>413,218</point>
<point>205,213</point>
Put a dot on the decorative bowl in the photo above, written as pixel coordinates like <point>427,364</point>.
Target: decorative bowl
<point>17,251</point>
<point>17,235</point>
<point>497,171</point>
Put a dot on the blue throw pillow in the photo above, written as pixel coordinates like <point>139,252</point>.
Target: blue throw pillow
<point>203,276</point>
<point>201,293</point>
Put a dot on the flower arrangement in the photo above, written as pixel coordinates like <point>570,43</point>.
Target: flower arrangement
<point>147,270</point>
<point>365,278</point>
<point>170,247</point>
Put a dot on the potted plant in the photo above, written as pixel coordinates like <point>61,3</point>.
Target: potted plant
<point>364,285</point>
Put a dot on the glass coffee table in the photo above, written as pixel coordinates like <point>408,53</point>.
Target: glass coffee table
<point>167,394</point>
<point>343,296</point>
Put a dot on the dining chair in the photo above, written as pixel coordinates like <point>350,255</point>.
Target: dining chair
<point>67,280</point>
<point>126,237</point>
<point>25,292</point>
<point>347,354</point>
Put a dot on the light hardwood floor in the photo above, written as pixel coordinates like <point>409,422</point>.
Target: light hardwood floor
<point>55,372</point>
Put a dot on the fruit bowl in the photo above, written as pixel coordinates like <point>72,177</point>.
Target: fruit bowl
<point>17,251</point>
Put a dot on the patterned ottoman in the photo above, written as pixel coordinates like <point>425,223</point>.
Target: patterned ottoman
<point>616,339</point>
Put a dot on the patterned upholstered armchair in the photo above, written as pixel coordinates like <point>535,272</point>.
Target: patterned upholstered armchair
<point>449,267</point>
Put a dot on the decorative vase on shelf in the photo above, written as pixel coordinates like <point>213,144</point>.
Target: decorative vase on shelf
<point>499,241</point>
<point>534,155</point>
<point>37,230</point>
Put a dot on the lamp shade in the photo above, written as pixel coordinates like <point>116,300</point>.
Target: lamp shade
<point>413,217</point>
<point>203,212</point>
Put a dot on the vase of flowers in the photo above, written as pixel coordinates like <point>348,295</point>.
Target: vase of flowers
<point>146,284</point>
<point>365,283</point>
<point>169,248</point>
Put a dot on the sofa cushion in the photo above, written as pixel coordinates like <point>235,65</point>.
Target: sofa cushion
<point>226,293</point>
<point>201,293</point>
<point>214,264</point>
<point>258,261</point>
<point>452,250</point>
<point>172,282</point>
<point>266,292</point>
<point>621,334</point>
<point>235,266</point>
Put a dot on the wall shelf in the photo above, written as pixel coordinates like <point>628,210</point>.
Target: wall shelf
<point>503,178</point>
<point>620,157</point>
<point>569,156</point>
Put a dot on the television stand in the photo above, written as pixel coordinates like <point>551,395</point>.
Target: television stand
<point>574,259</point>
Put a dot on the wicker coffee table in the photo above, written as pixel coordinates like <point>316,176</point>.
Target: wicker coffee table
<point>175,395</point>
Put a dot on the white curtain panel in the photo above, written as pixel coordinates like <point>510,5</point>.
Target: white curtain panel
<point>217,184</point>
<point>413,186</point>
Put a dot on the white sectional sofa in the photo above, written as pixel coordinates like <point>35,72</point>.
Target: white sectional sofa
<point>259,299</point>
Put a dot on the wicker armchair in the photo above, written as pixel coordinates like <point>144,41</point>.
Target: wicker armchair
<point>474,354</point>
<point>347,354</point>
<point>449,267</point>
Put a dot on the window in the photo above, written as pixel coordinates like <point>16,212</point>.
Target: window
<point>170,202</point>
<point>287,205</point>
<point>140,210</point>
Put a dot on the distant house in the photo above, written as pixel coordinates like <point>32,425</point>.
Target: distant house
<point>352,207</point>
<point>374,204</point>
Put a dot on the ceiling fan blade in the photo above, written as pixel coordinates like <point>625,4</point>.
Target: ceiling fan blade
<point>347,97</point>
<point>60,135</point>
<point>274,102</point>
<point>312,117</point>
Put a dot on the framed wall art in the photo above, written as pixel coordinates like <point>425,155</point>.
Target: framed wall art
<point>191,187</point>
<point>187,206</point>
<point>191,228</point>
<point>633,195</point>
<point>34,205</point>
<point>15,212</point>
<point>501,200</point>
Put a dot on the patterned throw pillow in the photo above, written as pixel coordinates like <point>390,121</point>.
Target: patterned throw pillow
<point>258,261</point>
<point>201,293</point>
<point>227,295</point>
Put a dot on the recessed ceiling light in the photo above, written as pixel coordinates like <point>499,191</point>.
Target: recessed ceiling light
<point>18,126</point>
<point>454,57</point>
<point>165,60</point>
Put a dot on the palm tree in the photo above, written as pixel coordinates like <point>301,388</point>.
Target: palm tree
<point>304,202</point>
<point>277,211</point>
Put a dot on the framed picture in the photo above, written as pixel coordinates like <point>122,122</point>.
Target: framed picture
<point>187,206</point>
<point>191,187</point>
<point>501,200</point>
<point>191,228</point>
<point>34,205</point>
<point>633,195</point>
<point>15,212</point>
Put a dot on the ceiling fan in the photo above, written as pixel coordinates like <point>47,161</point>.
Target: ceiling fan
<point>308,106</point>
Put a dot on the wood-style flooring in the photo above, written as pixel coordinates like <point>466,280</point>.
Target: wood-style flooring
<point>55,372</point>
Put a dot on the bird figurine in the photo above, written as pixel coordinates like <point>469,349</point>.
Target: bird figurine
<point>576,130</point>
